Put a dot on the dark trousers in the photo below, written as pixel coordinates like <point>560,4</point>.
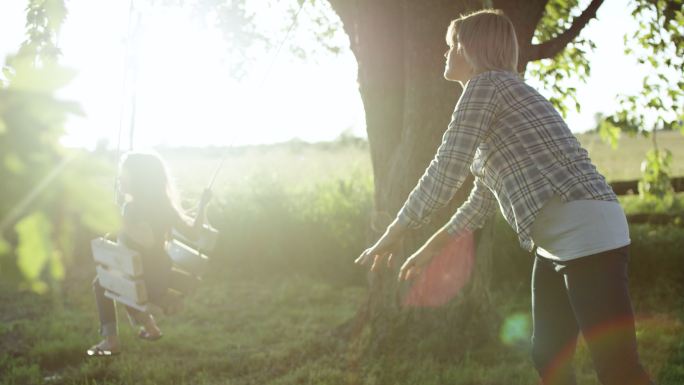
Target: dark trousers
<point>589,294</point>
<point>107,312</point>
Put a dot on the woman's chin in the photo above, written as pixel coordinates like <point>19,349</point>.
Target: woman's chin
<point>450,76</point>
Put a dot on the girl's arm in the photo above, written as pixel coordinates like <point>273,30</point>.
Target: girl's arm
<point>191,228</point>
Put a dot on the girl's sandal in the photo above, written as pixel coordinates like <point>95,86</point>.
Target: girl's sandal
<point>144,335</point>
<point>96,351</point>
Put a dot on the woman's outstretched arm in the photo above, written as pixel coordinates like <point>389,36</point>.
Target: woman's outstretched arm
<point>473,116</point>
<point>481,204</point>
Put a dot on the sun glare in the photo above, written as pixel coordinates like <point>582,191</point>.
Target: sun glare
<point>185,93</point>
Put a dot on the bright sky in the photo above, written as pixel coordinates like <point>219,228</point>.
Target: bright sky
<point>185,95</point>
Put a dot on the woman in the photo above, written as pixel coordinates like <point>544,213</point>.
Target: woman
<point>149,213</point>
<point>527,163</point>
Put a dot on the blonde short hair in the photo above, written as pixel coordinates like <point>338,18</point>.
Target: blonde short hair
<point>487,38</point>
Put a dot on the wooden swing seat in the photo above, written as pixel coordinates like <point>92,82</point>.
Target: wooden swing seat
<point>120,271</point>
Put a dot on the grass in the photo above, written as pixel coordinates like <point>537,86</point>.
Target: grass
<point>234,330</point>
<point>251,325</point>
<point>291,166</point>
<point>624,163</point>
<point>275,329</point>
<point>300,165</point>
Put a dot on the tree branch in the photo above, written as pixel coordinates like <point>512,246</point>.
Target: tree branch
<point>551,48</point>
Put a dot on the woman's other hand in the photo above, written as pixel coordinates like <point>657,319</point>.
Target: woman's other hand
<point>415,263</point>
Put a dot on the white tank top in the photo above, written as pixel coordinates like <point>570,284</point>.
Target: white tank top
<point>565,231</point>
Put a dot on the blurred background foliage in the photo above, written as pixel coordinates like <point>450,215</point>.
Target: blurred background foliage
<point>45,201</point>
<point>659,44</point>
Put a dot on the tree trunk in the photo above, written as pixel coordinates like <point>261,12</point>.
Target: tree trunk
<point>399,46</point>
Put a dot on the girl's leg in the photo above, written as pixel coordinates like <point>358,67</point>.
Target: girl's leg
<point>146,320</point>
<point>106,311</point>
<point>108,327</point>
<point>598,290</point>
<point>137,317</point>
<point>555,330</point>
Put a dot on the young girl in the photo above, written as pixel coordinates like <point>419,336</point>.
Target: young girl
<point>528,165</point>
<point>149,213</point>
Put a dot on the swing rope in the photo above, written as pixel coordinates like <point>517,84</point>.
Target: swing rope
<point>216,172</point>
<point>261,84</point>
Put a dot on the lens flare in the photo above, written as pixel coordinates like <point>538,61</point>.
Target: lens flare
<point>445,275</point>
<point>516,330</point>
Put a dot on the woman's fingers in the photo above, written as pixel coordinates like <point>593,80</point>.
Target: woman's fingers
<point>405,268</point>
<point>413,272</point>
<point>363,258</point>
<point>410,273</point>
<point>366,256</point>
<point>389,260</point>
<point>377,261</point>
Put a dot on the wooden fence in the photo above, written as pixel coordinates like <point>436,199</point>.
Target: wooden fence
<point>631,187</point>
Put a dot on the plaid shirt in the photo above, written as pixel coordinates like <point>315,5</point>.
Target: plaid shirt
<point>520,151</point>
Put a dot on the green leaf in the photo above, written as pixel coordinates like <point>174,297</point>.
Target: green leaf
<point>57,266</point>
<point>44,79</point>
<point>609,133</point>
<point>14,164</point>
<point>56,13</point>
<point>4,246</point>
<point>35,248</point>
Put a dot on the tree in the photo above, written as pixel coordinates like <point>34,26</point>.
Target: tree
<point>45,199</point>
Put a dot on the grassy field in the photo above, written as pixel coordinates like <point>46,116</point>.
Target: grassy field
<point>299,166</point>
<point>242,329</point>
<point>248,325</point>
<point>624,163</point>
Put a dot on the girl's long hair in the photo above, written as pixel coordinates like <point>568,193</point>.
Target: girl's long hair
<point>151,187</point>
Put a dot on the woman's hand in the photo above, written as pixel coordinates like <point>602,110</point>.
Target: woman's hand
<point>382,249</point>
<point>415,263</point>
<point>385,247</point>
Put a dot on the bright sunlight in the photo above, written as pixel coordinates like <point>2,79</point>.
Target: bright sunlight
<point>184,92</point>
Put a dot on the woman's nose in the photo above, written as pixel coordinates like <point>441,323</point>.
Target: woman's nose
<point>446,53</point>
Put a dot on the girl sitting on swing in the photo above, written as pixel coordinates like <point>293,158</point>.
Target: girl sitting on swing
<point>149,212</point>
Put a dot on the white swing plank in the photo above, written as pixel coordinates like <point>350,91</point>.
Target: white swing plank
<point>117,256</point>
<point>186,258</point>
<point>133,289</point>
<point>183,282</point>
<point>206,243</point>
<point>145,307</point>
<point>207,240</point>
